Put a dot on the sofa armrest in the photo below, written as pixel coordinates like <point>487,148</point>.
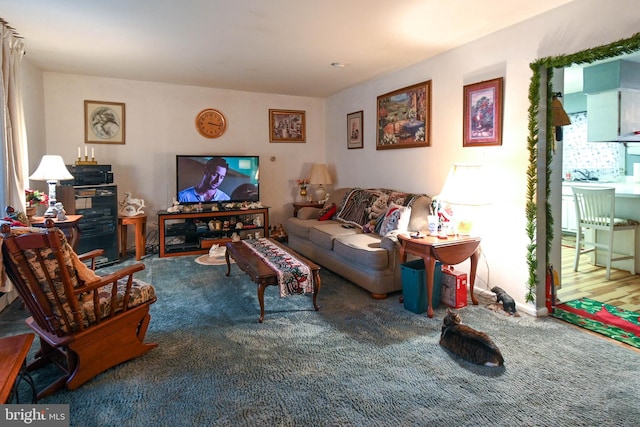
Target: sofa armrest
<point>309,213</point>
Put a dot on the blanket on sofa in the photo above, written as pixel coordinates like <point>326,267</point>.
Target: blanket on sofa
<point>362,206</point>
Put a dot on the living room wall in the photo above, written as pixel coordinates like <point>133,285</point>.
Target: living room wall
<point>507,53</point>
<point>160,123</point>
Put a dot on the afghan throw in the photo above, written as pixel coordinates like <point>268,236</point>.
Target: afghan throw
<point>294,277</point>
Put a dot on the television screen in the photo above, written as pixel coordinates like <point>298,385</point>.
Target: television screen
<point>208,179</point>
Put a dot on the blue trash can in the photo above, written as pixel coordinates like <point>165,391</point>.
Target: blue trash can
<point>414,289</point>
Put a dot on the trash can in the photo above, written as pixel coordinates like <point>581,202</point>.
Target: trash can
<point>414,288</point>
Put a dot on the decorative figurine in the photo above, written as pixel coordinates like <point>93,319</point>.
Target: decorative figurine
<point>131,206</point>
<point>61,214</point>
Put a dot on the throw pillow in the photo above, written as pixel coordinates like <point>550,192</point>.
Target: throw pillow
<point>327,212</point>
<point>396,218</point>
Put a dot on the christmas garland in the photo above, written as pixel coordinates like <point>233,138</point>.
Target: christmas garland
<point>587,56</point>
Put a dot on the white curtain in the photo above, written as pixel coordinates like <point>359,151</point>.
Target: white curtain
<point>13,135</point>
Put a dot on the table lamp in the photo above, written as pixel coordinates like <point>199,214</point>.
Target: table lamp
<point>464,187</point>
<point>320,177</point>
<point>52,170</point>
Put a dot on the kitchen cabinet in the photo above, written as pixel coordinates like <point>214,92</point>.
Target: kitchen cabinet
<point>569,222</point>
<point>613,115</point>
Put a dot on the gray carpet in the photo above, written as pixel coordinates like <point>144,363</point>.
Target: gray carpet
<point>356,362</point>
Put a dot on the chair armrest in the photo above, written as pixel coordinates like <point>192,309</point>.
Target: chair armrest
<point>91,255</point>
<point>109,278</point>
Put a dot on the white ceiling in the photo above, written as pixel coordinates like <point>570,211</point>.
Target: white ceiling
<point>273,46</point>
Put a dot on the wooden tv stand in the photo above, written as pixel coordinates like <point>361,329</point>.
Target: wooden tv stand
<point>192,233</point>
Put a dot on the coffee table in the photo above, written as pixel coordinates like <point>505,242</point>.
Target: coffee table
<point>262,274</point>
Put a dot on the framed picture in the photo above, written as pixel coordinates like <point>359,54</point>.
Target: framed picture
<point>286,126</point>
<point>404,118</point>
<point>104,122</point>
<point>483,113</point>
<point>354,130</point>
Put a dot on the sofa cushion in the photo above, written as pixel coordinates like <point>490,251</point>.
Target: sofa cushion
<point>363,249</point>
<point>396,218</point>
<point>324,234</point>
<point>300,227</point>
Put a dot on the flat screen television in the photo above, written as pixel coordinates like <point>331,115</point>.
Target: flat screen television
<point>213,179</point>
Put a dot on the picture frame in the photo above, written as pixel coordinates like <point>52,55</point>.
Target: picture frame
<point>287,126</point>
<point>482,113</point>
<point>104,122</point>
<point>404,117</point>
<point>354,130</point>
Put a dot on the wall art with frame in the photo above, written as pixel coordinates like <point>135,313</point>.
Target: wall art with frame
<point>404,117</point>
<point>104,122</point>
<point>483,113</point>
<point>287,126</point>
<point>354,130</point>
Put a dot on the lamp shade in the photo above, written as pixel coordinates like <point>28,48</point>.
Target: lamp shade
<point>464,186</point>
<point>51,168</point>
<point>320,174</point>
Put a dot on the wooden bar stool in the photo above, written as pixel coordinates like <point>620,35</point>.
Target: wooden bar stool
<point>140,223</point>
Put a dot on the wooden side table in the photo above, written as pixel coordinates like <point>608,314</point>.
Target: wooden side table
<point>69,227</point>
<point>299,205</point>
<point>13,354</point>
<point>140,223</point>
<point>449,251</point>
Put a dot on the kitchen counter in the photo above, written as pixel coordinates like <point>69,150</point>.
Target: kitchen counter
<point>623,188</point>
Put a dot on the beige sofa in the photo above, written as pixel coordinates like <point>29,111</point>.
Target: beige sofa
<point>359,254</point>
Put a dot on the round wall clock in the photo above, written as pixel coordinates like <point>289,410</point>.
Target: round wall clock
<point>210,123</point>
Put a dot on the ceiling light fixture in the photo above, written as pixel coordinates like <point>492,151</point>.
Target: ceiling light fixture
<point>338,64</point>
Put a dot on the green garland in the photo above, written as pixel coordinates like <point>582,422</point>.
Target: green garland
<point>587,56</point>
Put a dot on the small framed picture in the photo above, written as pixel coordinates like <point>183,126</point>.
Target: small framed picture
<point>286,126</point>
<point>104,122</point>
<point>404,117</point>
<point>354,130</point>
<point>483,113</point>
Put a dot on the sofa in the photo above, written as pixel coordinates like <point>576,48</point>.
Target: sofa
<point>355,234</point>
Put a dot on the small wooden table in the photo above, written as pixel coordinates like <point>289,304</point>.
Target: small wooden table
<point>449,251</point>
<point>262,274</point>
<point>140,223</point>
<point>13,354</point>
<point>69,227</point>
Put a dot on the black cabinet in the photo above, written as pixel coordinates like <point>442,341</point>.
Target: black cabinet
<point>98,205</point>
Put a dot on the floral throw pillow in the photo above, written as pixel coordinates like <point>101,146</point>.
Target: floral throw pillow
<point>327,212</point>
<point>396,218</point>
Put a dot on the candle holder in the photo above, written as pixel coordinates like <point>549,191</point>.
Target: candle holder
<point>86,161</point>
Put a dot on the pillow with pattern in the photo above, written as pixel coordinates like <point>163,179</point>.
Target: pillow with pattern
<point>327,212</point>
<point>396,218</point>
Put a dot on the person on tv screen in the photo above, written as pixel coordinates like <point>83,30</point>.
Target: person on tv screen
<point>207,191</point>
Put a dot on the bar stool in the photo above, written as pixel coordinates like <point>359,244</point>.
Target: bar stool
<point>140,223</point>
<point>595,210</point>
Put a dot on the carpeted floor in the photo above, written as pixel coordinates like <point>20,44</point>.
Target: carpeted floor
<point>356,362</point>
<point>616,323</point>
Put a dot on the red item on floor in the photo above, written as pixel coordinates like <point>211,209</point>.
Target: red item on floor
<point>454,287</point>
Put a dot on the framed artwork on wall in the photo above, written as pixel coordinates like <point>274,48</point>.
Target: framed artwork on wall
<point>404,117</point>
<point>354,130</point>
<point>104,122</point>
<point>286,126</point>
<point>482,109</point>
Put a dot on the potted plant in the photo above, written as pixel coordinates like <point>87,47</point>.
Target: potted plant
<point>34,198</point>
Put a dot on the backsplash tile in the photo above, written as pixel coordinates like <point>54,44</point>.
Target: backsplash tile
<point>602,160</point>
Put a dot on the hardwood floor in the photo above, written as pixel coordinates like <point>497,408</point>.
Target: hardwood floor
<point>623,290</point>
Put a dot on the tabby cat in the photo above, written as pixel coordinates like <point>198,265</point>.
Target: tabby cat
<point>471,345</point>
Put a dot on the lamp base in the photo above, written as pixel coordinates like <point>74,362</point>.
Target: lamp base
<point>50,212</point>
<point>321,193</point>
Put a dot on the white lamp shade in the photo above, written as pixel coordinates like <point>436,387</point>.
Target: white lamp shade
<point>465,185</point>
<point>51,168</point>
<point>320,174</point>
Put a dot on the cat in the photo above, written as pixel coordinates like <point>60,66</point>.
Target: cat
<point>508,303</point>
<point>467,343</point>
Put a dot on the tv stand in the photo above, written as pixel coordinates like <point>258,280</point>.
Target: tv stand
<point>192,233</point>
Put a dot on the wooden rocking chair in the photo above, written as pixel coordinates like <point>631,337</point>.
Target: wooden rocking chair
<point>86,323</point>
